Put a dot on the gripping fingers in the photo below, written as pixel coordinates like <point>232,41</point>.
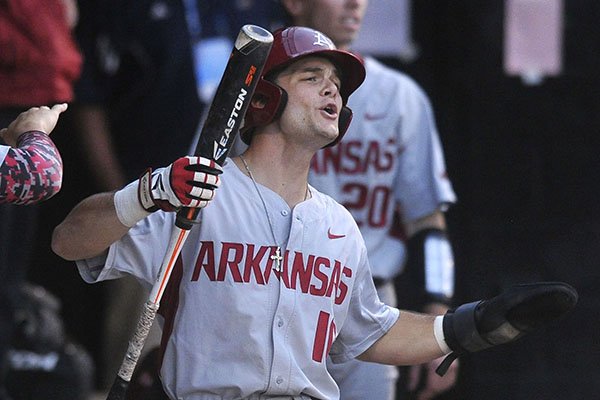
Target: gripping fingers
<point>194,180</point>
<point>206,180</point>
<point>199,195</point>
<point>202,164</point>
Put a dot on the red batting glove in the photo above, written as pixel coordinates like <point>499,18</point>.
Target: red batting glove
<point>188,182</point>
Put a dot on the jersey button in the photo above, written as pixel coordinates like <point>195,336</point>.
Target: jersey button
<point>280,322</point>
<point>279,380</point>
<point>284,213</point>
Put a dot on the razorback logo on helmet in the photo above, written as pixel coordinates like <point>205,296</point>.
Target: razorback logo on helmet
<point>322,40</point>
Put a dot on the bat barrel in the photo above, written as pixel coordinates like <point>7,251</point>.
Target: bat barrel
<point>234,93</point>
<point>231,101</point>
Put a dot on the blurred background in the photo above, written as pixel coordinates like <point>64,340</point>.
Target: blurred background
<point>516,94</point>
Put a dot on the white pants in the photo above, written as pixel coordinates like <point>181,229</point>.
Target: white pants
<point>359,380</point>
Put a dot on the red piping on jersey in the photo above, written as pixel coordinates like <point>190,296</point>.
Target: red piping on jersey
<point>169,305</point>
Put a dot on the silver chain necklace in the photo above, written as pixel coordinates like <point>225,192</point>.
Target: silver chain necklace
<point>277,256</point>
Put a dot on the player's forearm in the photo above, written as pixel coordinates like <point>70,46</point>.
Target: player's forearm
<point>89,229</point>
<point>410,341</point>
<point>435,308</point>
<point>32,172</point>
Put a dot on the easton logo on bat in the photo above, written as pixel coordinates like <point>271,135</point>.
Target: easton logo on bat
<point>220,146</point>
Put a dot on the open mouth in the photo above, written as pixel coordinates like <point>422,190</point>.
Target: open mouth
<point>330,110</point>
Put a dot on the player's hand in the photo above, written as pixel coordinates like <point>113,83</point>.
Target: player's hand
<point>42,119</point>
<point>188,182</point>
<point>426,384</point>
<point>521,309</point>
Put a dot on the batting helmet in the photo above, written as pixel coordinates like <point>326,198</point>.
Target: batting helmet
<point>289,44</point>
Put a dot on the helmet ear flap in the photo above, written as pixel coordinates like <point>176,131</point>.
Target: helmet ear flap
<point>271,100</point>
<point>343,124</point>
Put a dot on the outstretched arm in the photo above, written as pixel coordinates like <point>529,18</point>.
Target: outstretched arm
<point>410,341</point>
<point>89,229</point>
<point>417,338</point>
<point>102,219</point>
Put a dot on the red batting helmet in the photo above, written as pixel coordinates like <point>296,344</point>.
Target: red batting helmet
<point>289,44</point>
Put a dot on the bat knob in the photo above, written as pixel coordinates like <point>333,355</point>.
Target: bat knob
<point>257,33</point>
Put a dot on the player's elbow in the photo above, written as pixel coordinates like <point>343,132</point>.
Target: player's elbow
<point>56,184</point>
<point>62,243</point>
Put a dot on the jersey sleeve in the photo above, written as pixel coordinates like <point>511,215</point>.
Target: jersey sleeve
<point>32,172</point>
<point>421,163</point>
<point>367,320</point>
<point>139,253</point>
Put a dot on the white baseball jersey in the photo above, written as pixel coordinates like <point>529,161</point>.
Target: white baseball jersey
<point>390,156</point>
<point>234,327</point>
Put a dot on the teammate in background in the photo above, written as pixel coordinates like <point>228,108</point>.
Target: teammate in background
<point>30,166</point>
<point>276,276</point>
<point>31,171</point>
<point>390,161</point>
<point>39,62</point>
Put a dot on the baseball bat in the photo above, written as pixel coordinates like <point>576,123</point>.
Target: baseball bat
<point>224,119</point>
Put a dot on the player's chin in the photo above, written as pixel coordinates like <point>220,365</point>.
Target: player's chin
<point>316,143</point>
<point>329,135</point>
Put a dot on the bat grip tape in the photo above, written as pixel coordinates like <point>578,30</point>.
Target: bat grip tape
<point>137,341</point>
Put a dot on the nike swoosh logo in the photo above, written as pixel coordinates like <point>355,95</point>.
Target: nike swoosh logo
<point>158,184</point>
<point>333,235</point>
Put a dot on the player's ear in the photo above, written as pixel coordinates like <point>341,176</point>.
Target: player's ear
<point>258,101</point>
<point>295,8</point>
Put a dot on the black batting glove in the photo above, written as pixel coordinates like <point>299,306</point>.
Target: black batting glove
<point>505,318</point>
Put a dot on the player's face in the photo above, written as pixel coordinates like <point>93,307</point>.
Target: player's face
<point>312,112</point>
<point>339,19</point>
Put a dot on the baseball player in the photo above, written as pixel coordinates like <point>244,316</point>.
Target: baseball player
<point>30,164</point>
<point>275,276</point>
<point>390,160</point>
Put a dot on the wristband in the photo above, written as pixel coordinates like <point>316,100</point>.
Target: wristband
<point>438,332</point>
<point>127,205</point>
<point>145,191</point>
